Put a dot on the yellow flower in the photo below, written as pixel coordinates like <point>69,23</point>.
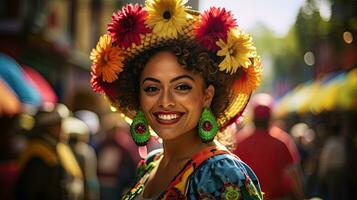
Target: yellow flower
<point>107,60</point>
<point>250,77</point>
<point>166,17</point>
<point>237,51</point>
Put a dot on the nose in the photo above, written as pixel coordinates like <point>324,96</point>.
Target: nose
<point>166,99</point>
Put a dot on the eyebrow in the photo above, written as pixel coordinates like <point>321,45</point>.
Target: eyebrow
<point>172,80</point>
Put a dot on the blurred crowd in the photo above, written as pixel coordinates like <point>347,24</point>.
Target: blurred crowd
<point>300,157</point>
<point>48,151</point>
<point>63,157</point>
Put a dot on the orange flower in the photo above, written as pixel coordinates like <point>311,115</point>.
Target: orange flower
<point>107,60</point>
<point>250,77</point>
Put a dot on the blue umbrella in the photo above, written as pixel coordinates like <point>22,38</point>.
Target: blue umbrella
<point>11,73</point>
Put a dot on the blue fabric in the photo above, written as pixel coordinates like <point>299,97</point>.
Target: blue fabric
<point>11,73</point>
<point>216,173</point>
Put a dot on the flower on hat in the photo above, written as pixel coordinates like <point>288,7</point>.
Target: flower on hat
<point>127,25</point>
<point>213,25</point>
<point>166,17</point>
<point>107,60</point>
<point>101,87</point>
<point>250,77</point>
<point>237,50</point>
<point>97,84</point>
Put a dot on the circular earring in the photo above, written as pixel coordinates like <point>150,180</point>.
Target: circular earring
<point>139,129</point>
<point>207,126</point>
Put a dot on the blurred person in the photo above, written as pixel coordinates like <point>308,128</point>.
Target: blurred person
<point>332,161</point>
<point>11,144</point>
<point>349,131</point>
<point>311,166</point>
<point>117,157</point>
<point>271,153</point>
<point>79,133</point>
<point>303,137</point>
<point>48,168</point>
<point>91,119</point>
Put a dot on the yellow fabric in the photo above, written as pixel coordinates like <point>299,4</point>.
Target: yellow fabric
<point>68,160</point>
<point>37,148</point>
<point>183,184</point>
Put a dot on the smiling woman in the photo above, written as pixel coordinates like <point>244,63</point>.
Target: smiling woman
<point>188,81</point>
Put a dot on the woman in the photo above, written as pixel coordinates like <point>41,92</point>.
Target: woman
<point>187,76</point>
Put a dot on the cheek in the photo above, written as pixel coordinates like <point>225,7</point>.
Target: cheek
<point>192,102</point>
<point>196,97</point>
<point>146,102</point>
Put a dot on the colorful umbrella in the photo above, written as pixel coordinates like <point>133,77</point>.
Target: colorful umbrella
<point>326,97</point>
<point>12,74</point>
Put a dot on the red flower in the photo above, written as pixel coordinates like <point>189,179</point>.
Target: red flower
<point>214,25</point>
<point>97,84</point>
<point>101,87</point>
<point>127,25</point>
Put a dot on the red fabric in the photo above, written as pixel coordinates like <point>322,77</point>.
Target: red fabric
<point>287,140</point>
<point>269,157</point>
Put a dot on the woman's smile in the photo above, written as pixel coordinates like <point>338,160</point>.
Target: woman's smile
<point>168,118</point>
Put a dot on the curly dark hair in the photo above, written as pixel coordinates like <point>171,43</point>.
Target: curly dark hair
<point>192,57</point>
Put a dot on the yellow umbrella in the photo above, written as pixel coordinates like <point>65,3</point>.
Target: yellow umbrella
<point>326,97</point>
<point>308,97</point>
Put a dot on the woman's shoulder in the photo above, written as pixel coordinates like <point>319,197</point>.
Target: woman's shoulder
<point>224,176</point>
<point>228,165</point>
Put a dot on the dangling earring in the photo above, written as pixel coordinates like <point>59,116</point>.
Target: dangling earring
<point>139,129</point>
<point>207,126</point>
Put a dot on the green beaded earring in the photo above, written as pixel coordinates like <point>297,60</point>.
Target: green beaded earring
<point>139,129</point>
<point>207,126</point>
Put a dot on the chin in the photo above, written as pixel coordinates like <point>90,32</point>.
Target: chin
<point>166,135</point>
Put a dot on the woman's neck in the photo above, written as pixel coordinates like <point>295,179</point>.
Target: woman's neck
<point>183,147</point>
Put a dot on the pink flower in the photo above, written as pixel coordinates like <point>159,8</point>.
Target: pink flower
<point>127,25</point>
<point>214,25</point>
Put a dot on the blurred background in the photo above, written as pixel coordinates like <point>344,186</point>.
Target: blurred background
<point>309,55</point>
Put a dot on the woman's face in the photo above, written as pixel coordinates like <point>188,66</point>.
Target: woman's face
<point>171,97</point>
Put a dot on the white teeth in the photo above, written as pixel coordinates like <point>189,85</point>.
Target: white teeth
<point>168,117</point>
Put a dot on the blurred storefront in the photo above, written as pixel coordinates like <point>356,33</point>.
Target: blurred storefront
<point>55,37</point>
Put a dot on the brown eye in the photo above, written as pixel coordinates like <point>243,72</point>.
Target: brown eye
<point>150,89</point>
<point>183,87</point>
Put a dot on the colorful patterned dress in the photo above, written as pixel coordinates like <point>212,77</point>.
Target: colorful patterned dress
<point>212,173</point>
